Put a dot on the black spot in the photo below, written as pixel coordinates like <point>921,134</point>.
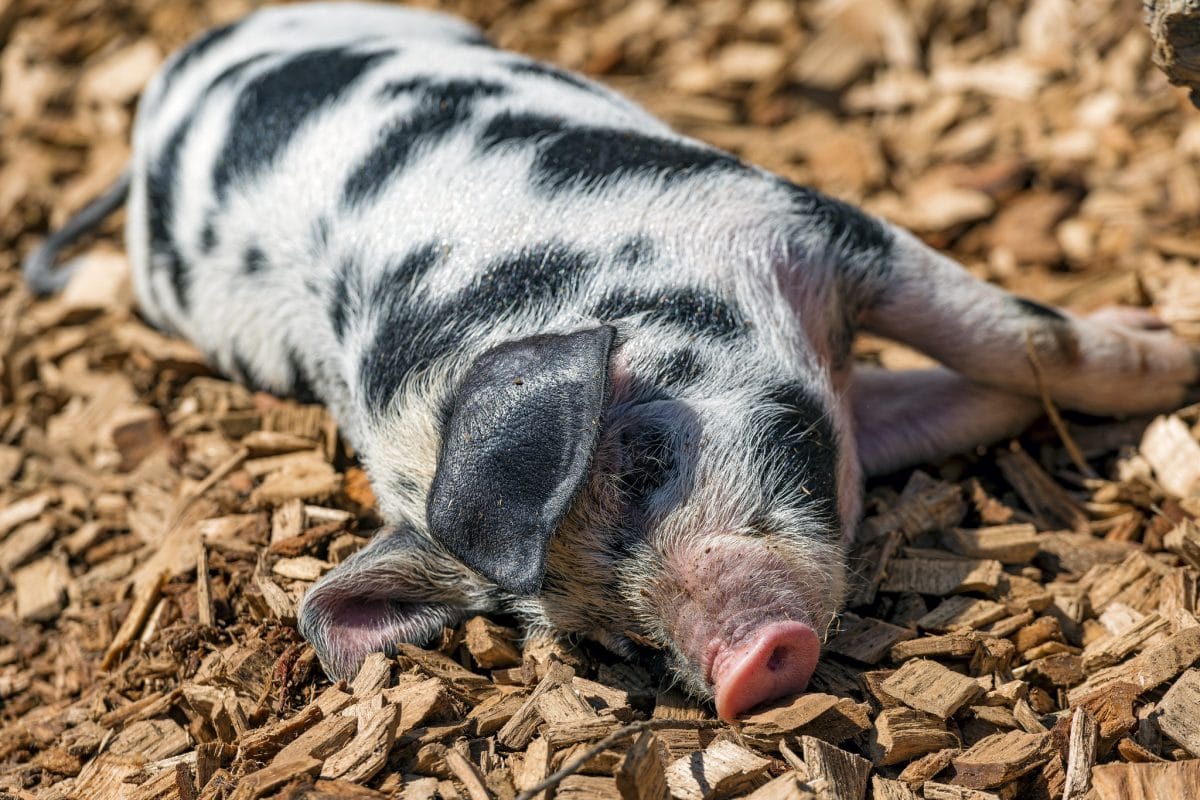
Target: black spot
<point>274,106</point>
<point>1036,309</point>
<point>254,260</point>
<point>859,244</point>
<point>245,373</point>
<point>301,385</point>
<point>475,39</point>
<point>648,458</point>
<point>196,49</point>
<point>517,129</point>
<point>588,158</point>
<point>405,486</point>
<point>235,70</point>
<point>161,186</point>
<point>696,311</point>
<point>320,235</point>
<point>412,334</point>
<point>208,236</point>
<point>798,449</point>
<point>345,285</point>
<point>393,89</point>
<point>442,108</point>
<point>535,274</point>
<point>676,369</point>
<point>541,70</point>
<point>635,251</point>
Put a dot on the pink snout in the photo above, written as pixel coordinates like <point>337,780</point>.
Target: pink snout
<point>775,661</point>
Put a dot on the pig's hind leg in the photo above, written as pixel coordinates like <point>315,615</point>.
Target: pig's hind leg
<point>908,417</point>
<point>1114,362</point>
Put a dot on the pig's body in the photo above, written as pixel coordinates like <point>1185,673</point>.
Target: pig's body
<point>444,242</point>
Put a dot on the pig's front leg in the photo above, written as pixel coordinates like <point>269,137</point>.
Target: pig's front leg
<point>905,418</point>
<point>1110,363</point>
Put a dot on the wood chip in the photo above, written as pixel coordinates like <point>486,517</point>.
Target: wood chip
<point>1085,737</point>
<point>941,577</point>
<point>1000,759</point>
<point>902,734</point>
<point>838,774</point>
<point>642,774</point>
<point>1008,544</point>
<point>1178,713</point>
<point>1146,781</point>
<point>1174,454</point>
<point>928,686</point>
<point>721,770</point>
<point>365,754</point>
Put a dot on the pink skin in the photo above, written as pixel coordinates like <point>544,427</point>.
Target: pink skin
<point>743,610</point>
<point>776,661</point>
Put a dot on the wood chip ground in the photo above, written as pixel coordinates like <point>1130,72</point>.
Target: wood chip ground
<point>1024,619</point>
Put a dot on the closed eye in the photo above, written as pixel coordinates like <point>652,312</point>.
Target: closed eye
<point>648,462</point>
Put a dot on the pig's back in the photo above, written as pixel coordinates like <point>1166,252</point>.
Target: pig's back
<point>329,199</point>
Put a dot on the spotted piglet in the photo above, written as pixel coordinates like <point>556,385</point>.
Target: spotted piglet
<point>599,372</point>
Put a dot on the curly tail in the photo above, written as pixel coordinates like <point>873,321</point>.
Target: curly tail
<point>40,266</point>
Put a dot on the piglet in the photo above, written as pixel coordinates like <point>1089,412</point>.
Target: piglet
<point>600,373</point>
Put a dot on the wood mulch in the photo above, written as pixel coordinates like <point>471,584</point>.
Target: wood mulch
<point>1024,624</point>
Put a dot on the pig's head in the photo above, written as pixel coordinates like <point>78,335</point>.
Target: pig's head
<point>633,495</point>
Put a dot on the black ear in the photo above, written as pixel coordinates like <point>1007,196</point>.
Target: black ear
<point>516,451</point>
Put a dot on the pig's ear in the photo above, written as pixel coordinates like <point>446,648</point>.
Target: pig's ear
<point>517,449</point>
<point>399,588</point>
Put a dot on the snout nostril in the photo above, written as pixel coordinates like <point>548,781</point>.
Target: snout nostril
<point>778,659</point>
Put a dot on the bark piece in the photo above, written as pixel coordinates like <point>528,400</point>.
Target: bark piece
<point>152,739</point>
<point>273,777</point>
<point>1113,649</point>
<point>263,743</point>
<point>1001,758</point>
<point>930,687</point>
<point>642,773</point>
<point>1173,27</point>
<point>1053,507</point>
<point>41,589</point>
<point>721,770</point>
<point>902,734</point>
<point>826,717</point>
<point>941,576</point>
<point>946,791</point>
<point>490,644</point>
<point>1174,454</point>
<point>519,730</point>
<point>328,736</point>
<point>1081,755</point>
<point>958,613</point>
<point>1008,544</point>
<point>373,675</point>
<point>836,774</point>
<point>926,767</point>
<point>1159,781</point>
<point>467,774</point>
<point>1178,713</point>
<point>865,639</point>
<point>367,752</point>
<point>1149,669</point>
<point>886,789</point>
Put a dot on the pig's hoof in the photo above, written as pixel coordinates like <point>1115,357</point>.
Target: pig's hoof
<point>775,661</point>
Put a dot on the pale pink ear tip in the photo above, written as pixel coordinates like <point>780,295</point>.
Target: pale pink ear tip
<point>776,661</point>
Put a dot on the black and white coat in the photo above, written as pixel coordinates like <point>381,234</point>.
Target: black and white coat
<point>599,372</point>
